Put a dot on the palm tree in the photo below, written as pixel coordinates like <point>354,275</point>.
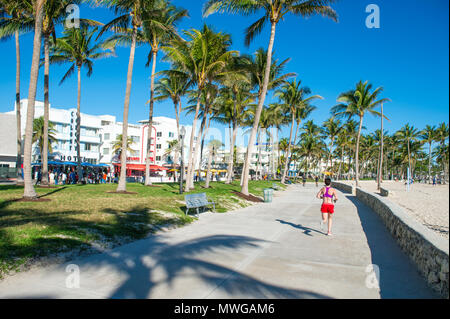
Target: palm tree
<point>54,14</point>
<point>132,13</point>
<point>407,134</point>
<point>442,132</point>
<point>358,102</point>
<point>233,101</point>
<point>15,19</point>
<point>274,11</point>
<point>174,149</point>
<point>429,135</point>
<point>292,95</point>
<point>202,59</point>
<point>29,192</point>
<point>40,135</point>
<point>156,32</point>
<point>331,129</point>
<point>117,145</point>
<point>213,147</point>
<point>172,87</point>
<point>77,47</point>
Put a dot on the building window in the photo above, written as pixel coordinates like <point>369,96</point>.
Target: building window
<point>106,151</point>
<point>159,134</point>
<point>135,139</point>
<point>158,146</point>
<point>171,134</point>
<point>158,158</point>
<point>106,136</point>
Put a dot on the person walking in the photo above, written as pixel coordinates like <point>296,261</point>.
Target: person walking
<point>329,197</point>
<point>317,180</point>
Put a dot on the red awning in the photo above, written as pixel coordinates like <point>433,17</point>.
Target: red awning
<point>141,167</point>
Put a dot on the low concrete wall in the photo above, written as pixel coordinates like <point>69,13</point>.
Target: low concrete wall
<point>429,251</point>
<point>343,187</point>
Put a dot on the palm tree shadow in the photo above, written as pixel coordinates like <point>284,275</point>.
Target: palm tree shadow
<point>161,264</point>
<point>306,230</point>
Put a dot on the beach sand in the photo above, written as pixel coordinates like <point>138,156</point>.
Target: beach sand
<point>428,204</point>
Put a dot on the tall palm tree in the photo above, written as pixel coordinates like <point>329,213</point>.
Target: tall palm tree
<point>357,103</point>
<point>78,48</point>
<point>132,13</point>
<point>428,135</point>
<point>331,129</point>
<point>233,102</point>
<point>292,95</point>
<point>408,134</point>
<point>156,32</point>
<point>29,192</point>
<point>16,18</point>
<point>54,14</point>
<point>202,59</point>
<point>274,12</point>
<point>39,134</point>
<point>174,87</point>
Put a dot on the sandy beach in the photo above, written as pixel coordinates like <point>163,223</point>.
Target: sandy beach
<point>428,204</point>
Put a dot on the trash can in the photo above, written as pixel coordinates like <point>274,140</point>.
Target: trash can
<point>268,194</point>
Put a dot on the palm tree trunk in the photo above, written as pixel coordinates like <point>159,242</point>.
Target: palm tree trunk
<point>177,117</point>
<point>231,161</point>
<point>287,161</point>
<point>191,144</point>
<point>246,171</point>
<point>18,115</point>
<point>29,192</point>
<point>208,170</point>
<point>197,151</point>
<point>357,152</point>
<point>340,162</point>
<point>409,160</point>
<point>44,154</point>
<point>79,169</point>
<point>380,169</point>
<point>429,164</point>
<point>258,162</point>
<point>150,120</point>
<point>122,187</point>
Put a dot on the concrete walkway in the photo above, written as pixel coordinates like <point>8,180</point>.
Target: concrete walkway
<point>274,250</point>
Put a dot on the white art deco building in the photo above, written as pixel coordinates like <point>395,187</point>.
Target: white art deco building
<point>98,133</point>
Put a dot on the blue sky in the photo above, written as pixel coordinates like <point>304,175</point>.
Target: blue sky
<point>408,55</point>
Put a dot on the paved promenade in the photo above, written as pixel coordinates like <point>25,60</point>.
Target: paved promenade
<point>274,250</point>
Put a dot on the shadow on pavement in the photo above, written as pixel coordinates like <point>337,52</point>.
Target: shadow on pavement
<point>182,261</point>
<point>399,277</point>
<point>306,230</point>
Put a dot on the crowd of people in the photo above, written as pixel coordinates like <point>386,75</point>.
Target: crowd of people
<point>61,176</point>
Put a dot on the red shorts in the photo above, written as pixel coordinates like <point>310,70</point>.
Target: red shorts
<point>327,208</point>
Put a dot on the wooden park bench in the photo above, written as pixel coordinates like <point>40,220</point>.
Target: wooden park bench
<point>196,201</point>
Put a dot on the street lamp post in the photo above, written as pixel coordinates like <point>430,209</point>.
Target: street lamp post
<point>182,135</point>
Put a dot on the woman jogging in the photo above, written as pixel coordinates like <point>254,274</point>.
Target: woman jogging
<point>329,197</point>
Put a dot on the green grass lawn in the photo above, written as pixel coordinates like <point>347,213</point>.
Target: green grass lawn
<point>77,216</point>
